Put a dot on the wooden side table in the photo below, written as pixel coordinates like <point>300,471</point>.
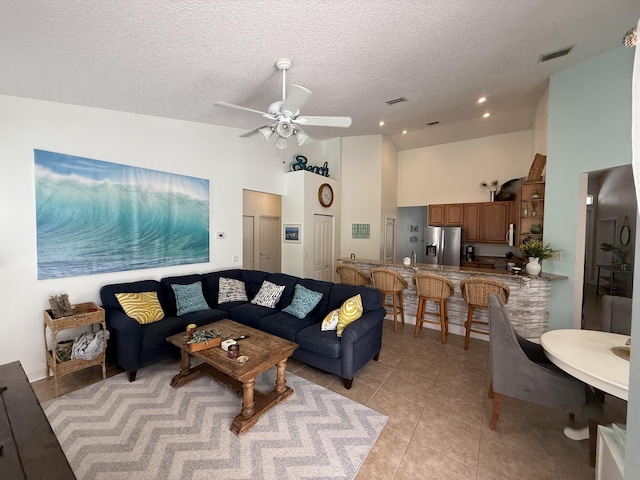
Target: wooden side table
<point>84,314</point>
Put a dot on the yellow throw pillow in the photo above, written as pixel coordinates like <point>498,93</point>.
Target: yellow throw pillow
<point>350,311</point>
<point>330,322</point>
<point>143,307</point>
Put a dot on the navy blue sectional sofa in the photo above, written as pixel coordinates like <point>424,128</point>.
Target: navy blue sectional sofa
<point>133,345</point>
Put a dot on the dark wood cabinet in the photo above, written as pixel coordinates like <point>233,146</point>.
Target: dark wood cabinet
<point>471,223</point>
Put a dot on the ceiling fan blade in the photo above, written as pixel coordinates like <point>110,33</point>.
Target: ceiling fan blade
<point>238,107</point>
<point>296,98</point>
<point>257,130</point>
<point>342,122</point>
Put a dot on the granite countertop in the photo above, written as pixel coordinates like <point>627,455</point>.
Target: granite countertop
<point>450,268</point>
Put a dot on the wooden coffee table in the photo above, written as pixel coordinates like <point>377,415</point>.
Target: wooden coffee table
<point>264,351</point>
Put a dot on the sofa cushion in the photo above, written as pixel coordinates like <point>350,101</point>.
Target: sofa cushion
<point>109,300</point>
<point>155,334</point>
<point>304,301</point>
<point>350,311</point>
<point>202,317</point>
<point>269,295</point>
<point>249,314</point>
<point>326,344</point>
<point>371,298</point>
<point>285,325</point>
<point>253,281</point>
<point>231,291</point>
<point>289,282</point>
<point>189,298</point>
<point>167,295</point>
<point>143,307</point>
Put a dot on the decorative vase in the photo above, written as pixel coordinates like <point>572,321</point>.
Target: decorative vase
<point>492,196</point>
<point>533,267</point>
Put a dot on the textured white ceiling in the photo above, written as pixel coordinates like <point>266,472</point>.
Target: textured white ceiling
<point>174,58</point>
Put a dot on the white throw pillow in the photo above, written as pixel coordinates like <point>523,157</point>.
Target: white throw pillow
<point>231,291</point>
<point>269,294</point>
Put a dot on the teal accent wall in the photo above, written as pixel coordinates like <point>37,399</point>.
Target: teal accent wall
<point>589,129</point>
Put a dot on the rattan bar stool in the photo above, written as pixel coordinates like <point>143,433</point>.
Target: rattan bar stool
<point>352,275</point>
<point>475,291</point>
<point>433,288</point>
<point>391,283</point>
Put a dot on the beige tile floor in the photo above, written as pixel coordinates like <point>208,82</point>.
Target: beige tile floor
<point>436,398</point>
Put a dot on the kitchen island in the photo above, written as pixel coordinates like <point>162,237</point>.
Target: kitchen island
<point>528,303</point>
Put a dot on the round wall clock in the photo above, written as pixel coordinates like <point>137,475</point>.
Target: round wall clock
<point>325,195</point>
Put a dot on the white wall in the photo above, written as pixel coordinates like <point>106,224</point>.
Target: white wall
<point>361,193</point>
<point>452,172</point>
<point>185,148</point>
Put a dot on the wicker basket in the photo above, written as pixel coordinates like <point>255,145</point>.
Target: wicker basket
<point>83,314</point>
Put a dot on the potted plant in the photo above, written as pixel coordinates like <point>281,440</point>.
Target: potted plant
<point>493,188</point>
<point>620,254</point>
<point>536,251</point>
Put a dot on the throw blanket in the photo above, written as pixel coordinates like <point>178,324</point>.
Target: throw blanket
<point>89,345</point>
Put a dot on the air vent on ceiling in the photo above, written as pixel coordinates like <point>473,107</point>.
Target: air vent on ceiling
<point>545,57</point>
<point>396,100</point>
<point>432,123</point>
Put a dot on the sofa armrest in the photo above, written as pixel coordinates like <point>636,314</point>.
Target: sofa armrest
<point>361,341</point>
<point>125,343</point>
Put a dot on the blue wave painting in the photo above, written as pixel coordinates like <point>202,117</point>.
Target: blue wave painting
<point>96,217</point>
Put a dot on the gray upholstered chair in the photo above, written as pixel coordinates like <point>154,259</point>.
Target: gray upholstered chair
<point>520,369</point>
<point>616,314</point>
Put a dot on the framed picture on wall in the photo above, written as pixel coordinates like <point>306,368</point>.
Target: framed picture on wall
<point>291,233</point>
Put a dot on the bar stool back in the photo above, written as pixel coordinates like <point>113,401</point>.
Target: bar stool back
<point>433,288</point>
<point>352,275</point>
<point>475,291</point>
<point>389,282</point>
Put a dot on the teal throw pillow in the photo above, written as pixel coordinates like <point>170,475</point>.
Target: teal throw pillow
<point>189,298</point>
<point>304,300</point>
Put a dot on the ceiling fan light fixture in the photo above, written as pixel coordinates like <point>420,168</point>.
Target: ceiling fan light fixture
<point>266,132</point>
<point>284,128</point>
<point>281,143</point>
<point>301,137</point>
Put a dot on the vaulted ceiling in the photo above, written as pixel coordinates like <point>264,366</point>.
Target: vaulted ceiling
<point>175,58</point>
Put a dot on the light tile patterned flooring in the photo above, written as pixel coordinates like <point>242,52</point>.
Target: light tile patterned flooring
<point>436,398</point>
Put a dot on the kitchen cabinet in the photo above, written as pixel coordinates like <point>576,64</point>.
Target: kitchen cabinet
<point>446,215</point>
<point>494,222</point>
<point>471,223</point>
<point>531,205</point>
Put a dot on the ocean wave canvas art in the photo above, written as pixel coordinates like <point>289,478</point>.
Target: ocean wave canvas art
<point>95,217</point>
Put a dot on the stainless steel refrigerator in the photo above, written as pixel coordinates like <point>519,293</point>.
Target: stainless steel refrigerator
<point>443,245</point>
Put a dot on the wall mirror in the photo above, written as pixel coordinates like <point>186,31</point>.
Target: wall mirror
<point>625,235</point>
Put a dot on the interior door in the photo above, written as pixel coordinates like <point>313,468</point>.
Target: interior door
<point>323,247</point>
<point>389,253</point>
<point>248,242</point>
<point>269,241</point>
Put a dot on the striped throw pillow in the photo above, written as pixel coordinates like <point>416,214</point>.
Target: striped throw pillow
<point>231,291</point>
<point>350,311</point>
<point>143,307</point>
<point>269,294</point>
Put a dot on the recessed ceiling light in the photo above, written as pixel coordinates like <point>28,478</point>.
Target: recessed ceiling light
<point>486,115</point>
<point>482,99</point>
<point>404,132</point>
<point>381,123</point>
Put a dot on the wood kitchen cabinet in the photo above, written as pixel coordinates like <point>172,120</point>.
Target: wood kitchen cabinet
<point>449,215</point>
<point>471,223</point>
<point>494,222</point>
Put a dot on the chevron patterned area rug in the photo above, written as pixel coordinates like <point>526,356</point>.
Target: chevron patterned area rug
<point>116,430</point>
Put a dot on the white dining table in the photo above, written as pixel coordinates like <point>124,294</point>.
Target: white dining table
<point>587,356</point>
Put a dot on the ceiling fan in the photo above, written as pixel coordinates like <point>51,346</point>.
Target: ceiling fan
<point>284,115</point>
